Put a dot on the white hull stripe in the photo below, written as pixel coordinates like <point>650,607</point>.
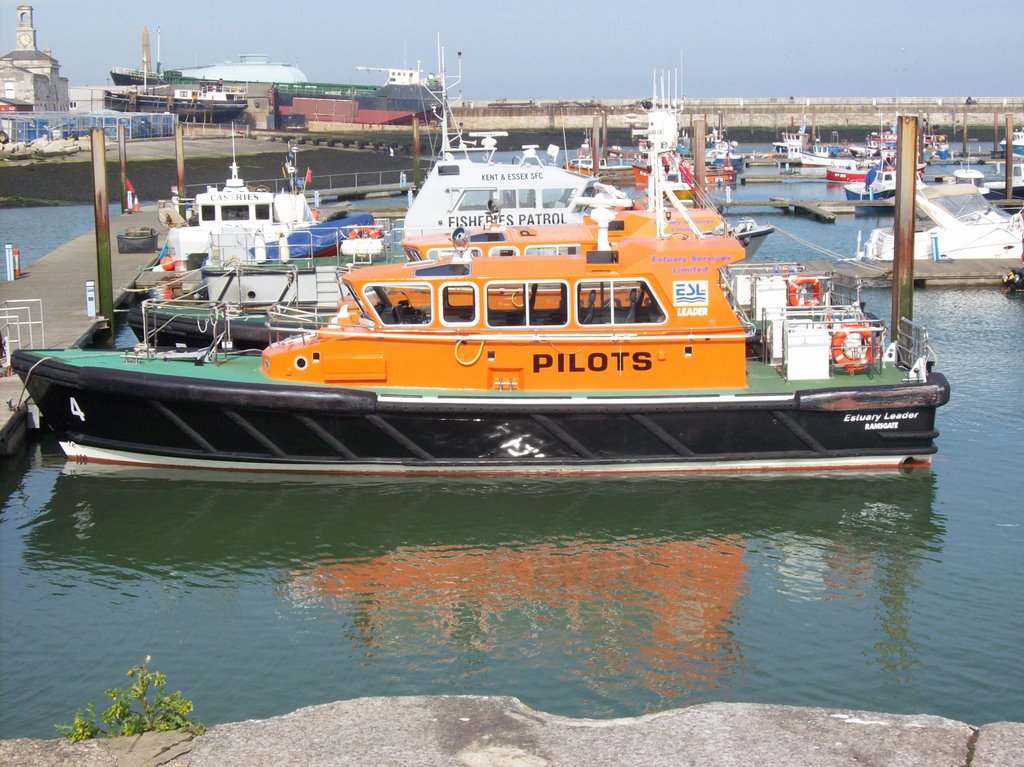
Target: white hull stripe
<point>76,452</point>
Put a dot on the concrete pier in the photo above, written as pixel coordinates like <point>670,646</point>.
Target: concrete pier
<point>54,288</point>
<point>502,732</point>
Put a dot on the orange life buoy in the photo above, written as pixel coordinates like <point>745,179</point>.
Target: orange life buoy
<point>364,232</point>
<point>853,347</point>
<point>804,291</point>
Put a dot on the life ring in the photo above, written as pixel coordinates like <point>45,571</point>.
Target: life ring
<point>853,347</point>
<point>364,232</point>
<point>803,291</point>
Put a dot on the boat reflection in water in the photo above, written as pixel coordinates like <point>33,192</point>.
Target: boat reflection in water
<point>586,597</point>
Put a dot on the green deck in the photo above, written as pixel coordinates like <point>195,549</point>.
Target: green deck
<point>762,379</point>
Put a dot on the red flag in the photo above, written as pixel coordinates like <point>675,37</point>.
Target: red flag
<point>309,176</point>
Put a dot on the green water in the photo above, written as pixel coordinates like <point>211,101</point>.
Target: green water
<point>596,598</point>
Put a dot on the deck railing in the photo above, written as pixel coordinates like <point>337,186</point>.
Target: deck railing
<point>21,327</point>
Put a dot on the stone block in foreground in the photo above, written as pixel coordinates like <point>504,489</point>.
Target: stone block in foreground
<point>502,732</point>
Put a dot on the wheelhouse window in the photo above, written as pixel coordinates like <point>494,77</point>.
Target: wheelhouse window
<point>557,198</point>
<point>552,250</point>
<point>435,253</point>
<point>527,304</point>
<point>474,199</point>
<point>620,302</point>
<point>234,213</point>
<point>207,212</point>
<point>405,304</point>
<point>458,304</point>
<point>262,212</point>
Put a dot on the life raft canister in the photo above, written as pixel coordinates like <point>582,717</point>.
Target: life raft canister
<point>803,291</point>
<point>853,347</point>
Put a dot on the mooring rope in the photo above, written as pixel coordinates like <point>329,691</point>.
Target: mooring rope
<point>881,267</point>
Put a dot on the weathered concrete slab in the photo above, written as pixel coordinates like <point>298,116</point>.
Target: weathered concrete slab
<point>150,749</point>
<point>999,745</point>
<point>502,732</point>
<point>25,752</point>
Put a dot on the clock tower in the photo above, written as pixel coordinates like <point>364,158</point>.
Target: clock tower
<point>25,34</point>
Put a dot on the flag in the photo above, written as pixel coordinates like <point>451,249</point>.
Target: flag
<point>309,176</point>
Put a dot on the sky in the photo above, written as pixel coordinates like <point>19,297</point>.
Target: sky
<point>566,49</point>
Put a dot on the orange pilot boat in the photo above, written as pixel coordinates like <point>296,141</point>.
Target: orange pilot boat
<point>640,343</point>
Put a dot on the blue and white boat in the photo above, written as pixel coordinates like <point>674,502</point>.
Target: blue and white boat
<point>1018,143</point>
<point>877,185</point>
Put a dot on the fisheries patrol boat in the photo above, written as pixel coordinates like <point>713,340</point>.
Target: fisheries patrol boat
<point>655,351</point>
<point>470,184</point>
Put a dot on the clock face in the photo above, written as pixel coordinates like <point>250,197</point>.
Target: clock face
<point>25,39</point>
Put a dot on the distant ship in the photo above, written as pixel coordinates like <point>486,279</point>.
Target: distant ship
<point>250,68</point>
<point>295,101</point>
<point>210,103</point>
<point>405,95</point>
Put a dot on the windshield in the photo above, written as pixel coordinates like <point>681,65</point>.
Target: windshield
<point>964,206</point>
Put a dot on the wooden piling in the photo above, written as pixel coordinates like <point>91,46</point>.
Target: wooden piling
<point>104,279</point>
<point>903,228</point>
<point>179,158</point>
<point>1008,156</point>
<point>123,167</point>
<point>699,159</point>
<point>415,153</point>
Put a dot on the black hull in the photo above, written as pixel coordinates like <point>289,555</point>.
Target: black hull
<point>120,416</point>
<point>187,110</point>
<point>170,329</point>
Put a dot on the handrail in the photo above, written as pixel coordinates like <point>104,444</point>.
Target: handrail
<point>21,319</point>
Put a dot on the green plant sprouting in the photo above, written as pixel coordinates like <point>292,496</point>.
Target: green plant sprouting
<point>132,712</point>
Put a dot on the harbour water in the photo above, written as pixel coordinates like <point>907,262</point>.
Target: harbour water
<point>584,597</point>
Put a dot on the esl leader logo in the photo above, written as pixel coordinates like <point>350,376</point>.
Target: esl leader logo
<point>690,298</point>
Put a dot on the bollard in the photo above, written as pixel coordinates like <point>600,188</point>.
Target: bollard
<point>16,254</point>
<point>316,198</point>
<point>402,181</point>
<point>935,247</point>
<point>90,298</point>
<point>9,260</point>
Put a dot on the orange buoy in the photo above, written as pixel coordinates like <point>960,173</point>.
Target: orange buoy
<point>853,347</point>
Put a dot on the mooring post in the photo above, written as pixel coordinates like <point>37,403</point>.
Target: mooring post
<point>415,153</point>
<point>604,134</point>
<point>1008,156</point>
<point>179,159</point>
<point>903,228</point>
<point>104,276</point>
<point>595,145</point>
<point>965,128</point>
<point>123,165</point>
<point>699,161</point>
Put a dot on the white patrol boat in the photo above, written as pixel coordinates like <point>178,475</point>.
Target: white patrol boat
<point>470,186</point>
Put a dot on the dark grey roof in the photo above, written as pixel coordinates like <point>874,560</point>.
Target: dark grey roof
<point>27,56</point>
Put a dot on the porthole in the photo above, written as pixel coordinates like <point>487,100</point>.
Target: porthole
<point>300,363</point>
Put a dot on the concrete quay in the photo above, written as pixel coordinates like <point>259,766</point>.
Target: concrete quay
<point>475,731</point>
<point>51,290</point>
